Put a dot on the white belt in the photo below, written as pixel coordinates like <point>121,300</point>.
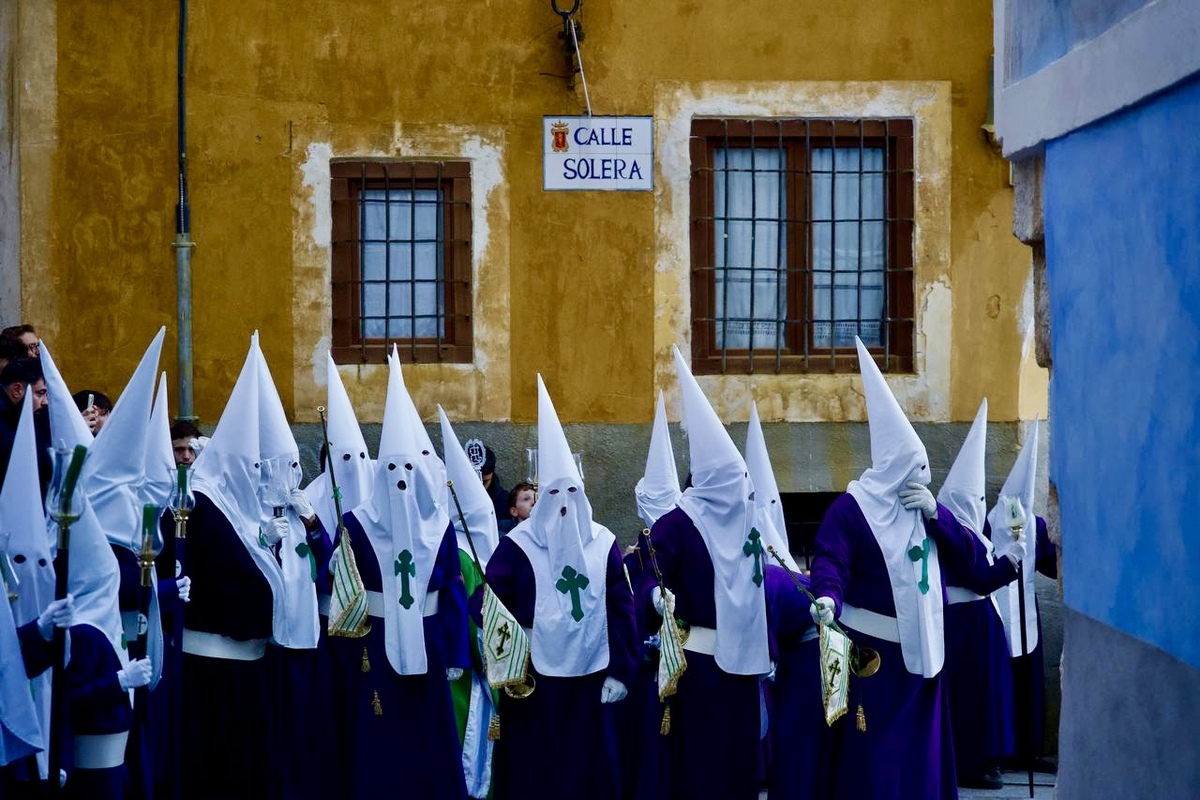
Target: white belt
<point>957,594</point>
<point>100,751</point>
<point>701,640</point>
<point>323,604</point>
<point>880,626</point>
<point>375,604</point>
<point>213,645</point>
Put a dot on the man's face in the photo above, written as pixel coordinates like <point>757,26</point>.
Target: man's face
<point>487,479</point>
<point>525,502</point>
<point>41,396</point>
<point>30,341</point>
<point>183,451</point>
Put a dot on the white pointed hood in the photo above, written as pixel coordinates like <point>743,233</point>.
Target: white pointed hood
<point>768,504</point>
<point>352,467</point>
<point>477,508</point>
<point>405,520</point>
<point>568,553</point>
<point>964,490</point>
<point>116,466</point>
<point>229,471</point>
<point>721,505</point>
<point>24,714</point>
<point>657,491</point>
<point>67,425</point>
<point>1021,484</point>
<point>897,457</point>
<point>161,473</point>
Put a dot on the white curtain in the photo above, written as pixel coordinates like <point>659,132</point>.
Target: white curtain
<point>848,250</point>
<point>750,246</point>
<point>401,264</point>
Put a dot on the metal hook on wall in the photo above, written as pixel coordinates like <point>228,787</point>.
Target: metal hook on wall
<point>570,36</point>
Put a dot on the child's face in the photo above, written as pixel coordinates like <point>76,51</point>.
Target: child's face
<point>525,501</point>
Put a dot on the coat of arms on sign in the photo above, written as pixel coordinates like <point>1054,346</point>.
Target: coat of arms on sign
<point>558,132</point>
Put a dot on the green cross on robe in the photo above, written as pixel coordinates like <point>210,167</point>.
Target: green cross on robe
<point>304,551</point>
<point>571,582</point>
<point>405,568</point>
<point>753,547</point>
<point>922,554</point>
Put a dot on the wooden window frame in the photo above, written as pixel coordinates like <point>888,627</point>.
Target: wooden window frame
<point>798,137</point>
<point>347,180</point>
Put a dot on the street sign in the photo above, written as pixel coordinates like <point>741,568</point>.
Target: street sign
<point>608,154</point>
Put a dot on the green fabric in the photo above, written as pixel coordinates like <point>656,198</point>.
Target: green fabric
<point>460,690</point>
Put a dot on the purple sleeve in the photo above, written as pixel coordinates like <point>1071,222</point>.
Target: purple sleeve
<point>957,547</point>
<point>452,605</point>
<point>787,606</point>
<point>1047,553</point>
<point>830,569</point>
<point>985,578</point>
<point>321,546</point>
<point>98,704</point>
<point>511,578</point>
<point>622,631</point>
<point>35,650</point>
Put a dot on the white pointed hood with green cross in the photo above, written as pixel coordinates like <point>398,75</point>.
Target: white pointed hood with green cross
<point>94,577</point>
<point>657,491</point>
<point>1020,484</point>
<point>568,552</point>
<point>231,472</point>
<point>405,520</point>
<point>25,550</point>
<point>897,457</point>
<point>348,458</point>
<point>720,502</point>
<point>478,511</point>
<point>114,477</point>
<point>768,504</point>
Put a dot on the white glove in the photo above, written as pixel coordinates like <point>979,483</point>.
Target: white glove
<point>60,614</point>
<point>184,585</point>
<point>136,674</point>
<point>453,673</point>
<point>298,500</point>
<point>659,605</point>
<point>275,531</point>
<point>822,610</point>
<point>1006,544</point>
<point>918,498</point>
<point>612,691</point>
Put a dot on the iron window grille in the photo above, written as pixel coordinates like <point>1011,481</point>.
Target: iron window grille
<point>401,261</point>
<point>801,238</point>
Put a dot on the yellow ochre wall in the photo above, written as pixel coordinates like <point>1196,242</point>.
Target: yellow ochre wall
<point>567,284</point>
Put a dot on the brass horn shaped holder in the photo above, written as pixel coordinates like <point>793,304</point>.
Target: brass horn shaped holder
<point>519,691</point>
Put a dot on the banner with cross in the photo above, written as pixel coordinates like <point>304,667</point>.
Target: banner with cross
<point>505,643</point>
<point>835,673</point>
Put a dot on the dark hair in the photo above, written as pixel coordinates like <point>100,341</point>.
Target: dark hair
<point>17,331</point>
<point>489,461</point>
<point>184,430</point>
<point>99,399</point>
<point>21,370</point>
<point>12,348</point>
<point>516,492</point>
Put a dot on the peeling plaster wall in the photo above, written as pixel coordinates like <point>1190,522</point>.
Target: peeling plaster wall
<point>808,398</point>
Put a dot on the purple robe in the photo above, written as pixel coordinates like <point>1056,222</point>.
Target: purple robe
<point>560,741</point>
<point>715,716</point>
<point>96,704</point>
<point>226,748</point>
<point>978,672</point>
<point>907,749</point>
<point>401,736</point>
<point>800,739</point>
<point>167,696</point>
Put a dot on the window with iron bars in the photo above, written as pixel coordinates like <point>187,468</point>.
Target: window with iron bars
<point>401,260</point>
<point>801,239</point>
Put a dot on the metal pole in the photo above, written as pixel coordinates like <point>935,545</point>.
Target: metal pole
<point>183,243</point>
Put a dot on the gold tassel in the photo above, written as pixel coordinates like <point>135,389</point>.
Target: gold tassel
<point>494,728</point>
<point>366,662</point>
<point>375,704</point>
<point>860,719</point>
<point>665,727</point>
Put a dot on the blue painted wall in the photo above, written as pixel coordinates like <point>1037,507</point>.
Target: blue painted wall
<point>1050,28</point>
<point>1122,210</point>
